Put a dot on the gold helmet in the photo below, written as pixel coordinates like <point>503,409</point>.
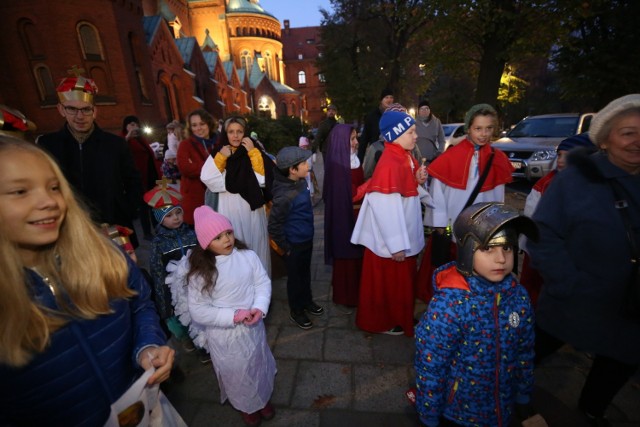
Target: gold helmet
<point>488,224</point>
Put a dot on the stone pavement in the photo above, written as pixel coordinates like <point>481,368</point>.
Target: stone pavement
<point>337,375</point>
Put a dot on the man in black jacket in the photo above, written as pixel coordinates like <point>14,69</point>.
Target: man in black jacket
<point>371,131</point>
<point>324,128</point>
<point>98,164</point>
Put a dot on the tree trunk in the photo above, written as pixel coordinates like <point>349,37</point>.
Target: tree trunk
<point>491,67</point>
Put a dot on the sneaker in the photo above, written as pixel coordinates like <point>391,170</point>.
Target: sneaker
<point>300,319</point>
<point>204,357</point>
<point>252,420</point>
<point>313,308</point>
<point>268,412</point>
<point>396,330</point>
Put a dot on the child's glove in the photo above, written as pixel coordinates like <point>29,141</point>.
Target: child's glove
<point>255,316</point>
<point>241,315</point>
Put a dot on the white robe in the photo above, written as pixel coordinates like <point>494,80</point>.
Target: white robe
<point>248,226</point>
<point>448,201</point>
<point>242,360</point>
<point>389,223</point>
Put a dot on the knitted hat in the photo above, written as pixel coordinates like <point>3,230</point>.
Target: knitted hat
<point>394,123</point>
<point>163,199</point>
<point>385,92</point>
<point>473,112</point>
<point>170,154</point>
<point>77,87</point>
<point>424,103</point>
<point>209,224</point>
<point>580,140</point>
<point>303,142</point>
<point>396,107</point>
<point>614,108</point>
<point>291,156</point>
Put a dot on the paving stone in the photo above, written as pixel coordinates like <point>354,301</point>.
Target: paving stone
<point>342,345</point>
<point>381,388</point>
<point>296,343</point>
<point>322,385</point>
<point>285,380</point>
<point>339,418</point>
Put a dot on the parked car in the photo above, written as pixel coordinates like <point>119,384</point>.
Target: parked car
<point>531,144</point>
<point>453,133</point>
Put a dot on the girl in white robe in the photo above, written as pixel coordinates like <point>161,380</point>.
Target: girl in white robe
<point>228,295</point>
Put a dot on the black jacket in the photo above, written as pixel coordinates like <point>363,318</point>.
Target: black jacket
<point>101,171</point>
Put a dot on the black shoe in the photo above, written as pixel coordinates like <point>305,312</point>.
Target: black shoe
<point>300,319</point>
<point>313,308</point>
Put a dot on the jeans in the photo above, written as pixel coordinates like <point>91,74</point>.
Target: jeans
<point>298,264</point>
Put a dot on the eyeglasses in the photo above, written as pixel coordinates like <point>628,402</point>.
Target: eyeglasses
<point>73,111</point>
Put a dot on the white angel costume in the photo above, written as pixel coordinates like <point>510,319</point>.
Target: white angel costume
<point>241,357</point>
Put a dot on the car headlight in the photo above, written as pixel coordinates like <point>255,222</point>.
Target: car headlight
<point>544,155</point>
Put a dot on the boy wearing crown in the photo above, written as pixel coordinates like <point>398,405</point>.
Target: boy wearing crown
<point>172,241</point>
<point>98,164</point>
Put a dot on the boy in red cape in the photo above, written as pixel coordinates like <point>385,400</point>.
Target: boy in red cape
<point>389,226</point>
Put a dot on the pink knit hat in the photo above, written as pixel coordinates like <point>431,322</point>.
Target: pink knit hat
<point>209,224</point>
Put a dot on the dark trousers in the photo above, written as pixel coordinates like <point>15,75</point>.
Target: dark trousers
<point>605,379</point>
<point>298,264</point>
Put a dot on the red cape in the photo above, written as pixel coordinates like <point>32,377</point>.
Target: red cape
<point>544,182</point>
<point>393,173</point>
<point>452,167</point>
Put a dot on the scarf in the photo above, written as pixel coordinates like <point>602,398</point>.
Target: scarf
<point>241,179</point>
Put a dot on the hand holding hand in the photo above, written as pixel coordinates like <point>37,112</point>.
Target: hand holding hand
<point>241,315</point>
<point>256,315</point>
<point>248,143</point>
<point>159,357</point>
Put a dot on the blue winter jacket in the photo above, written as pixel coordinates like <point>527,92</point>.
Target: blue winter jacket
<point>291,216</point>
<point>474,350</point>
<point>168,245</point>
<point>87,366</point>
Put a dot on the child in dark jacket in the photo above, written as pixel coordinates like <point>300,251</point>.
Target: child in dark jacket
<point>474,345</point>
<point>291,228</point>
<point>172,240</point>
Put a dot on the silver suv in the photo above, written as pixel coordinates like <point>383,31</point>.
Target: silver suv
<point>531,144</point>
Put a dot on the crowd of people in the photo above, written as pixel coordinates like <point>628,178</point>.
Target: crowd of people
<point>217,210</point>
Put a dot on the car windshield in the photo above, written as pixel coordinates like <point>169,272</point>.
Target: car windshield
<point>545,127</point>
<point>448,129</point>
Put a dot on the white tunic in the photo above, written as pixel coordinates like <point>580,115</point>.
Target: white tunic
<point>242,360</point>
<point>448,201</point>
<point>389,223</point>
<point>248,226</point>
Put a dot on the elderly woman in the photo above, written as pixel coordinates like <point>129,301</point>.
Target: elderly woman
<point>589,220</point>
<point>241,173</point>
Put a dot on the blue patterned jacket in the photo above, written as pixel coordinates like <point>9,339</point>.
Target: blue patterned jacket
<point>474,350</point>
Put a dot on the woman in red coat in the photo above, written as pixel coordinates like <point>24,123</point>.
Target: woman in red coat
<point>192,153</point>
<point>145,161</point>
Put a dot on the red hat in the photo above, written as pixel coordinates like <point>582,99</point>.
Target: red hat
<point>13,122</point>
<point>162,195</point>
<point>119,235</point>
<point>77,87</point>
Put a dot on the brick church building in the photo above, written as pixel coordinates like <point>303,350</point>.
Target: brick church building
<point>157,59</point>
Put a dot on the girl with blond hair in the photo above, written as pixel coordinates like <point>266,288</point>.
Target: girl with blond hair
<point>76,323</point>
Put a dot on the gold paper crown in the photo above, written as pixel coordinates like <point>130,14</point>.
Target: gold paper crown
<point>76,87</point>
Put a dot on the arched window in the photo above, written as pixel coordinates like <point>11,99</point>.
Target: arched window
<point>31,39</point>
<point>137,68</point>
<point>90,42</point>
<point>283,109</point>
<point>46,87</point>
<point>302,78</point>
<point>294,109</point>
<point>245,60</point>
<point>268,66</point>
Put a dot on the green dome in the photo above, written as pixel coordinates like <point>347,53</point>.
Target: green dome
<point>247,6</point>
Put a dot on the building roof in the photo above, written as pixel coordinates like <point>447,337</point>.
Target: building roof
<point>210,58</point>
<point>247,6</point>
<point>186,46</point>
<point>150,25</point>
<point>256,75</point>
<point>280,88</point>
<point>208,44</point>
<point>228,68</point>
<point>165,11</point>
